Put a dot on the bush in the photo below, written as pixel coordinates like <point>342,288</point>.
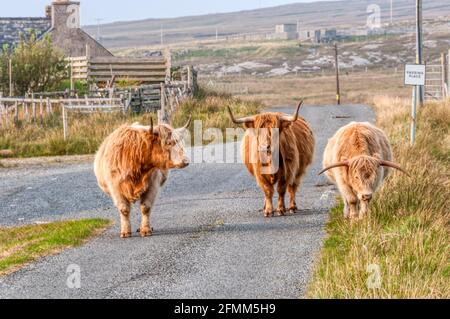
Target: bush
<point>37,66</point>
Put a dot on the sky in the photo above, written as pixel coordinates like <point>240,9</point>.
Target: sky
<point>120,10</point>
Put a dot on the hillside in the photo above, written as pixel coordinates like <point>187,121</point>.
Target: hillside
<point>349,13</point>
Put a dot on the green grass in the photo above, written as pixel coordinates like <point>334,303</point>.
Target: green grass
<point>407,231</point>
<point>22,245</point>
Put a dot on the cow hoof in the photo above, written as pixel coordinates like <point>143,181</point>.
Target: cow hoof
<point>268,214</point>
<point>146,232</point>
<point>293,210</point>
<point>125,235</point>
<point>281,212</point>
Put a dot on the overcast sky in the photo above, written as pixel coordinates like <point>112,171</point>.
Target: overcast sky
<point>120,10</point>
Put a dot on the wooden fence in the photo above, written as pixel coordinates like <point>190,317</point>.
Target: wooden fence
<point>33,110</point>
<point>151,70</point>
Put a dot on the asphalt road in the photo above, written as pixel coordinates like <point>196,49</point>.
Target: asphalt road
<point>210,241</point>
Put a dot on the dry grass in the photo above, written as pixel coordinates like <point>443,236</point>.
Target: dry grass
<point>22,245</point>
<point>86,132</point>
<point>355,87</point>
<point>211,108</point>
<point>407,231</point>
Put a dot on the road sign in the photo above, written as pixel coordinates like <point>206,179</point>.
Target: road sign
<point>415,74</point>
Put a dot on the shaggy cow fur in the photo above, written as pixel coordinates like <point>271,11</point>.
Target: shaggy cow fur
<point>133,163</point>
<point>295,154</point>
<point>356,159</point>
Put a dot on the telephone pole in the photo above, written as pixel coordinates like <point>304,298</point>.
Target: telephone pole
<point>419,45</point>
<point>338,89</point>
<point>392,12</point>
<point>162,34</point>
<point>98,28</point>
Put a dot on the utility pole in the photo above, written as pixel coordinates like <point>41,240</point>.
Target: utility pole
<point>392,12</point>
<point>98,28</point>
<point>10,78</point>
<point>419,45</point>
<point>417,94</point>
<point>162,34</point>
<point>217,34</point>
<point>338,89</point>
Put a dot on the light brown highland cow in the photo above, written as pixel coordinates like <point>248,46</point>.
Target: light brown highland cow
<point>133,163</point>
<point>282,160</point>
<point>357,159</point>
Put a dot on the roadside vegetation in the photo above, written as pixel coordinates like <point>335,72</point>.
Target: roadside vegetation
<point>210,107</point>
<point>406,233</point>
<point>87,131</point>
<point>22,245</point>
<point>37,66</point>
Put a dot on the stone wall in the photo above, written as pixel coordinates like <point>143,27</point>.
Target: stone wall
<point>11,28</point>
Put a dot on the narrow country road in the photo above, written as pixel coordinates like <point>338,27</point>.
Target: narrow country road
<point>211,239</point>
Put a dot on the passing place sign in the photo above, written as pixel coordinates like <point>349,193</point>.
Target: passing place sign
<point>415,74</point>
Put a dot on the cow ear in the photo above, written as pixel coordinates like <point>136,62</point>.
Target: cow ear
<point>249,125</point>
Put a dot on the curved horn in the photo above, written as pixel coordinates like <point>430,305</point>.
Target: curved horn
<point>295,116</point>
<point>241,120</point>
<point>186,126</point>
<point>394,165</point>
<point>340,164</point>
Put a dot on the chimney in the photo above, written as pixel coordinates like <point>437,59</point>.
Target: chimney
<point>48,12</point>
<point>65,14</point>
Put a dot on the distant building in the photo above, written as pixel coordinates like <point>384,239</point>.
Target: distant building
<point>287,31</point>
<point>62,24</point>
<point>319,35</point>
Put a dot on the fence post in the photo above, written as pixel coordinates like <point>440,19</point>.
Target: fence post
<point>41,109</point>
<point>25,107</point>
<point>448,73</point>
<point>1,110</point>
<point>64,118</point>
<point>16,113</point>
<point>162,114</point>
<point>444,76</point>
<point>33,106</point>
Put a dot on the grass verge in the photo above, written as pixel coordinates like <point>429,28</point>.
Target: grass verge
<point>406,235</point>
<point>22,245</point>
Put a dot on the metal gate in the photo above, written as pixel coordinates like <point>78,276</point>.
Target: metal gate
<point>435,85</point>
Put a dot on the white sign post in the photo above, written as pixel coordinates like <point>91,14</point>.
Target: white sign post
<point>415,75</point>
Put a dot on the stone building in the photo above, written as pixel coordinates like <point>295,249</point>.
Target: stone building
<point>62,24</point>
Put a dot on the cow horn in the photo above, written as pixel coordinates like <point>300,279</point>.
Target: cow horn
<point>186,126</point>
<point>340,164</point>
<point>243,120</point>
<point>295,116</point>
<point>394,165</point>
<point>152,127</point>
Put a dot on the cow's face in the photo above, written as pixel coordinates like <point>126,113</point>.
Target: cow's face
<point>364,173</point>
<point>172,144</point>
<point>265,129</point>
